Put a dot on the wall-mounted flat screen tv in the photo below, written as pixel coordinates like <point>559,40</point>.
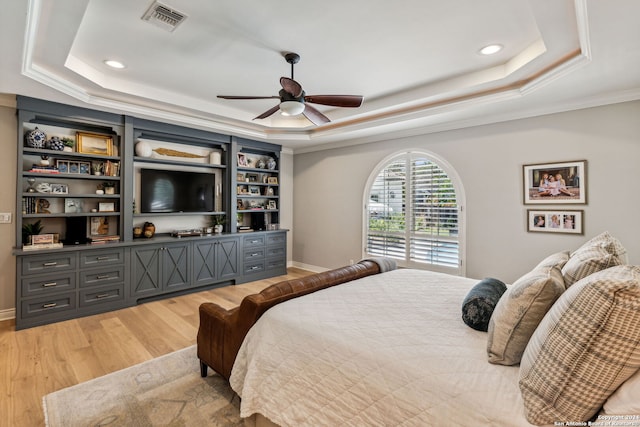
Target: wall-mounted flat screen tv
<point>166,191</point>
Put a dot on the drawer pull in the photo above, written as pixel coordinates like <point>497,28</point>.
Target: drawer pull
<point>47,285</point>
<point>102,258</point>
<point>50,305</point>
<point>102,296</point>
<point>255,254</point>
<point>104,276</point>
<point>254,241</point>
<point>50,264</point>
<point>255,267</point>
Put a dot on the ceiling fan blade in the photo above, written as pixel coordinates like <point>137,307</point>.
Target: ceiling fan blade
<point>291,86</point>
<point>314,115</point>
<point>268,112</point>
<point>335,100</point>
<point>247,97</point>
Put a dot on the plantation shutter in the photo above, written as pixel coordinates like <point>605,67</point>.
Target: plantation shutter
<point>413,215</point>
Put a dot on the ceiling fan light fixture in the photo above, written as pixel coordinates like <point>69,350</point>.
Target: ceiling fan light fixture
<point>291,108</point>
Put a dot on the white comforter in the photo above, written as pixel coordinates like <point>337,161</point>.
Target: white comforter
<point>387,350</point>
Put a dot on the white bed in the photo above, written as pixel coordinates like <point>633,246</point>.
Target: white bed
<point>386,350</point>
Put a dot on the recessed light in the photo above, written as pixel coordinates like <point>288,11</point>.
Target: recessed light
<point>114,64</point>
<point>491,49</point>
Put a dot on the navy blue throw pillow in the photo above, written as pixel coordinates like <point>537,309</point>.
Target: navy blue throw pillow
<point>479,303</point>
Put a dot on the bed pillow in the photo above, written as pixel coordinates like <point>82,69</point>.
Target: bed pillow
<point>558,259</point>
<point>586,261</point>
<point>519,312</point>
<point>609,243</point>
<point>584,349</point>
<point>480,302</point>
<point>625,399</point>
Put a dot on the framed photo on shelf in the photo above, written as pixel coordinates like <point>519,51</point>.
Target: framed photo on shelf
<point>240,205</point>
<point>92,143</point>
<point>240,177</point>
<point>59,189</point>
<point>555,221</point>
<point>555,183</point>
<point>252,177</point>
<point>84,168</point>
<point>72,205</point>
<point>106,207</point>
<point>272,205</point>
<point>63,166</point>
<point>99,225</point>
<point>242,160</point>
<point>254,190</point>
<point>273,180</point>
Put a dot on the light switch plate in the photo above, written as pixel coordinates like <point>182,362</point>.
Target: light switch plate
<point>5,217</point>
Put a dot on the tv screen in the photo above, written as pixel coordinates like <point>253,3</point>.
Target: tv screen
<point>176,191</point>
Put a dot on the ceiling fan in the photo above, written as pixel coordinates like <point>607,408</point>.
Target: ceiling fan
<point>294,101</point>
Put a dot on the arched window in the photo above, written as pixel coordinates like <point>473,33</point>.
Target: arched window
<point>413,206</point>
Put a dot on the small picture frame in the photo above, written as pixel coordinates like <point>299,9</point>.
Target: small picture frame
<point>272,205</point>
<point>84,168</point>
<point>272,180</point>
<point>99,225</point>
<point>270,191</point>
<point>106,207</point>
<point>72,205</point>
<point>254,190</point>
<point>555,183</point>
<point>240,205</point>
<point>63,166</point>
<point>59,189</point>
<point>555,221</point>
<point>240,177</point>
<point>93,143</point>
<point>242,160</point>
<point>252,177</point>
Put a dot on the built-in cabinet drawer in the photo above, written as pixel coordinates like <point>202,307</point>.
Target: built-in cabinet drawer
<point>47,284</point>
<point>38,264</point>
<point>48,306</point>
<point>101,276</point>
<point>93,259</point>
<point>101,295</point>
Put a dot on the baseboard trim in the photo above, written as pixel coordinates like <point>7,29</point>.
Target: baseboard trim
<point>313,268</point>
<point>7,314</point>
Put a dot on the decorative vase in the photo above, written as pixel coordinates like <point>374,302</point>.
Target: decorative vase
<point>36,138</point>
<point>271,163</point>
<point>55,144</point>
<point>218,228</point>
<point>215,158</point>
<point>143,149</point>
<point>149,229</point>
<point>109,190</point>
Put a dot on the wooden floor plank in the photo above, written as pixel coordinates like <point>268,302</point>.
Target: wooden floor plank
<point>41,360</point>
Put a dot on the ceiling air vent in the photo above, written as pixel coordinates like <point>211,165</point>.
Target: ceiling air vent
<point>163,16</point>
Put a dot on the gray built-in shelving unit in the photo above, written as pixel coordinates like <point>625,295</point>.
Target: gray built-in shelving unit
<point>84,278</point>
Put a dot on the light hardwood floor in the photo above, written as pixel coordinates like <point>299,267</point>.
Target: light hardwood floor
<point>40,360</point>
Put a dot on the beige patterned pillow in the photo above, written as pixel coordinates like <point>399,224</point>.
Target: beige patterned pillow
<point>586,346</point>
<point>558,259</point>
<point>609,243</point>
<point>519,311</point>
<point>586,261</point>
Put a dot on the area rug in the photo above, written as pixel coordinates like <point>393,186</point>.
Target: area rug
<point>166,391</point>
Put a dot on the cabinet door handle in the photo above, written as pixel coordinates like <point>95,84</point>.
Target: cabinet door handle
<point>47,285</point>
<point>49,264</point>
<point>50,305</point>
<point>104,276</point>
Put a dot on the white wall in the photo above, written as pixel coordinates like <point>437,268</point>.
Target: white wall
<point>329,188</point>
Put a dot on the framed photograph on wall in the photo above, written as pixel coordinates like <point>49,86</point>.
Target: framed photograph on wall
<point>555,183</point>
<point>555,221</point>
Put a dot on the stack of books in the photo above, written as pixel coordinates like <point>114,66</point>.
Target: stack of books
<point>98,240</point>
<point>244,229</point>
<point>44,169</point>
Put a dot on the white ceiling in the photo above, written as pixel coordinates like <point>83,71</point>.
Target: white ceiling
<point>416,62</point>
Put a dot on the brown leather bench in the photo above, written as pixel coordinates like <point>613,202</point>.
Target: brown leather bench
<point>222,331</point>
